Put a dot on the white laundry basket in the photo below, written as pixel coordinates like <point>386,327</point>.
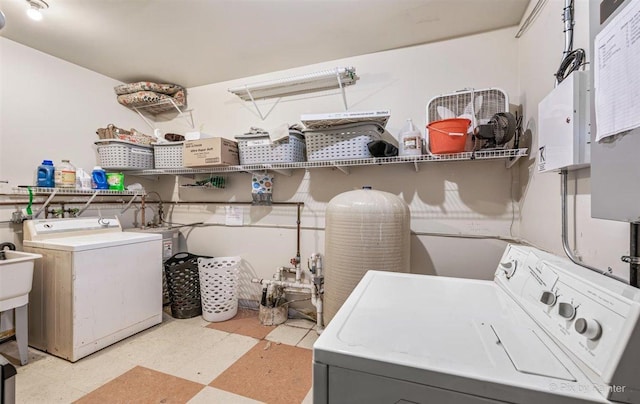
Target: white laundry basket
<point>218,287</point>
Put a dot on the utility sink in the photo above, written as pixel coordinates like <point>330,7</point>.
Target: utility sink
<point>16,278</point>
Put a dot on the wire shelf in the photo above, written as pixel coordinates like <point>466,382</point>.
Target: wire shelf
<point>322,80</point>
<point>23,190</point>
<point>340,77</point>
<point>465,156</point>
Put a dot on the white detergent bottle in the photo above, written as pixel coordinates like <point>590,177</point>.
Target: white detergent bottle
<point>410,140</point>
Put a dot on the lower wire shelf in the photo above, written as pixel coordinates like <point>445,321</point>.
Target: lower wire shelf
<point>511,154</point>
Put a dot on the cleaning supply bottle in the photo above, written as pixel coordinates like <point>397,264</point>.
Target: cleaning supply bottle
<point>99,178</point>
<point>65,175</point>
<point>410,140</point>
<point>46,174</point>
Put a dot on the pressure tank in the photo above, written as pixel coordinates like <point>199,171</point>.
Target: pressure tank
<point>365,229</point>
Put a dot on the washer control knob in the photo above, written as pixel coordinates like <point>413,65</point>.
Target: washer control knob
<point>548,298</point>
<point>566,310</point>
<point>509,268</point>
<point>589,328</point>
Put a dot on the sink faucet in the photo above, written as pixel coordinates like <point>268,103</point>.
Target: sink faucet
<point>3,246</point>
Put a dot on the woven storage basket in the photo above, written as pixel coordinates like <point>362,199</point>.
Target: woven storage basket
<point>168,155</point>
<point>122,155</point>
<point>183,284</point>
<point>342,142</point>
<point>258,149</point>
<point>219,287</point>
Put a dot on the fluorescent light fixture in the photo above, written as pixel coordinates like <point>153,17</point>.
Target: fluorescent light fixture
<point>34,9</point>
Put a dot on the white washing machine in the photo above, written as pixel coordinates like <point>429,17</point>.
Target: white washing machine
<point>543,331</point>
<point>95,284</point>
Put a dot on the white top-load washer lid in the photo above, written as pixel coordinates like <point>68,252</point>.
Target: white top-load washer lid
<point>80,234</point>
<point>92,241</point>
<point>457,334</point>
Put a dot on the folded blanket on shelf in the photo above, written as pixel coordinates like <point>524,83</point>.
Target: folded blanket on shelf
<point>153,102</point>
<point>130,88</point>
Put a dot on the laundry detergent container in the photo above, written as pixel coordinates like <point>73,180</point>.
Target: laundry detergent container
<point>365,229</point>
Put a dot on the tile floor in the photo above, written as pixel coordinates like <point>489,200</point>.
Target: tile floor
<point>180,361</point>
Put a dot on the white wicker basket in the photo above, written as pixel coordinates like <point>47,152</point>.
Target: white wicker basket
<point>342,142</point>
<point>219,287</point>
<point>168,155</point>
<point>123,155</point>
<point>258,149</point>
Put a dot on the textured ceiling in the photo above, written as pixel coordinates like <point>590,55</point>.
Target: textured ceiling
<point>197,42</point>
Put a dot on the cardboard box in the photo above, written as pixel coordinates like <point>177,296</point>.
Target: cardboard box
<point>215,151</point>
<point>196,136</point>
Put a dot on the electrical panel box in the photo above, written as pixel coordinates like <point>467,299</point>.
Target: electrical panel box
<point>564,136</point>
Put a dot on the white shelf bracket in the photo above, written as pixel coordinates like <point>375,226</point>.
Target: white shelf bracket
<point>128,205</point>
<point>46,203</point>
<point>86,205</point>
<point>344,95</point>
<point>511,161</point>
<point>345,170</point>
<point>183,114</point>
<point>255,104</point>
<point>144,118</point>
<point>416,166</point>
<point>282,171</point>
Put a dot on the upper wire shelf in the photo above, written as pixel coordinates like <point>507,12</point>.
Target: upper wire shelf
<point>294,85</point>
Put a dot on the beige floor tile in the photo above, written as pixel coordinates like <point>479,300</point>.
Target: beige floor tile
<point>211,395</point>
<point>38,389</point>
<point>88,373</point>
<point>300,323</point>
<point>273,373</point>
<point>204,364</point>
<point>287,335</point>
<point>190,350</point>
<point>308,340</point>
<point>199,355</point>
<point>144,385</point>
<point>244,323</point>
<point>167,343</point>
<point>309,397</point>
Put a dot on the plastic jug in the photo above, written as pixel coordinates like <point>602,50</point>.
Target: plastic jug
<point>410,140</point>
<point>46,174</point>
<point>65,175</point>
<point>99,178</point>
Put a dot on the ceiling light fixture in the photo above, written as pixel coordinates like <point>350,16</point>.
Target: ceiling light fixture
<point>34,9</point>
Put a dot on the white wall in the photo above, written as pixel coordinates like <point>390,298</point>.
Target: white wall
<point>50,109</point>
<point>600,243</point>
<point>464,198</point>
<point>454,198</point>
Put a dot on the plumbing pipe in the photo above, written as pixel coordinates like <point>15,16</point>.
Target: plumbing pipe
<point>634,250</point>
<point>567,18</point>
<point>315,265</point>
<point>316,298</point>
<point>565,232</point>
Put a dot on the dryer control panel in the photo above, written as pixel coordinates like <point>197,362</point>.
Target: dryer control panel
<point>590,314</point>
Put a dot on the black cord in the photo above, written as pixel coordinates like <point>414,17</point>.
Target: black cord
<point>572,62</point>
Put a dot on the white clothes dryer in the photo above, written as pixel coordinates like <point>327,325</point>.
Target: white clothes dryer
<point>543,331</point>
<point>95,284</point>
